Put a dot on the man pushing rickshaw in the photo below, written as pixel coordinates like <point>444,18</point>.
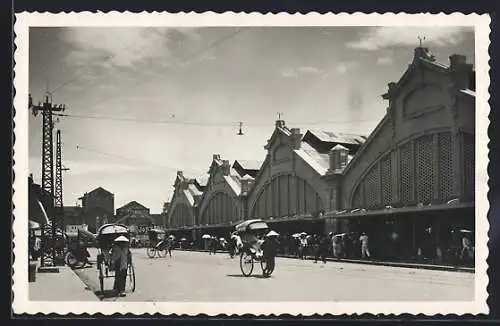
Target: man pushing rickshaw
<point>259,244</point>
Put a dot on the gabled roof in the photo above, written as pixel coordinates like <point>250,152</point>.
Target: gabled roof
<point>133,203</point>
<point>234,183</point>
<point>249,164</point>
<point>342,138</point>
<point>100,189</point>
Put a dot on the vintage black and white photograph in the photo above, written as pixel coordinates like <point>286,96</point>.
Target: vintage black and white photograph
<point>251,164</point>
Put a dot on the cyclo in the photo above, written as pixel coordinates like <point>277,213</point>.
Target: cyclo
<point>157,243</point>
<point>252,233</point>
<point>106,235</point>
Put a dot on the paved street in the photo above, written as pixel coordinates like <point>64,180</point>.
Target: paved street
<point>197,276</point>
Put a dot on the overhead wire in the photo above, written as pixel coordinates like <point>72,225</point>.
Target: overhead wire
<point>124,158</point>
<point>208,124</point>
<point>184,60</point>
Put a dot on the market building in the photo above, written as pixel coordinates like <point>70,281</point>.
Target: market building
<point>414,176</point>
<point>224,201</point>
<point>293,188</point>
<point>409,184</point>
<point>182,211</point>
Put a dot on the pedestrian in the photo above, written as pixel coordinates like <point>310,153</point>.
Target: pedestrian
<point>214,245</point>
<point>120,257</point>
<point>270,251</point>
<point>170,245</point>
<point>467,253</point>
<point>302,246</point>
<point>365,250</point>
<point>322,250</point>
<point>336,246</point>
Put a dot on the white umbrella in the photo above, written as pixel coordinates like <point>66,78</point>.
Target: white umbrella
<point>171,237</point>
<point>222,239</point>
<point>303,233</point>
<point>33,225</point>
<point>183,239</point>
<point>206,236</point>
<point>296,235</point>
<point>272,234</point>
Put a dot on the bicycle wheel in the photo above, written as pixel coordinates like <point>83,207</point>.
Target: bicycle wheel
<point>131,277</point>
<point>162,252</point>
<point>246,263</point>
<point>151,251</point>
<point>100,266</point>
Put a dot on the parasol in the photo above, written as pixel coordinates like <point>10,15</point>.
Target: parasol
<point>206,236</point>
<point>33,225</point>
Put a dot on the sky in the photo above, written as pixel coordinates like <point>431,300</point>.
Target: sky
<point>144,103</point>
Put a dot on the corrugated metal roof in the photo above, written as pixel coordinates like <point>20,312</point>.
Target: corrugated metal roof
<point>189,196</point>
<point>202,179</point>
<point>235,185</point>
<point>343,138</point>
<point>319,162</point>
<point>194,190</point>
<point>250,165</point>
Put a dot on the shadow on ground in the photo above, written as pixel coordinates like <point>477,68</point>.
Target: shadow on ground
<point>243,276</point>
<point>106,294</point>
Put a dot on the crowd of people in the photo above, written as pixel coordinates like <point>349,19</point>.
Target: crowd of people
<point>360,245</point>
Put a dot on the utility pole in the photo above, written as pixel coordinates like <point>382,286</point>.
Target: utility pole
<point>47,109</point>
<point>58,186</point>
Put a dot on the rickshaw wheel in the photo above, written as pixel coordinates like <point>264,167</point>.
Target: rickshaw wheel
<point>246,263</point>
<point>101,275</point>
<point>72,261</point>
<point>131,276</point>
<point>151,251</point>
<point>267,269</point>
<point>162,252</point>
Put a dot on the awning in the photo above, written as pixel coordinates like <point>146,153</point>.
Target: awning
<point>37,212</point>
<point>397,210</point>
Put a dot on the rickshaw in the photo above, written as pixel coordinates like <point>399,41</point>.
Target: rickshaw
<point>106,235</point>
<point>77,254</point>
<point>251,233</point>
<point>157,243</point>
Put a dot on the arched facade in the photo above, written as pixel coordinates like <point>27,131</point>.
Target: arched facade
<point>182,209</point>
<point>220,208</point>
<point>295,177</point>
<point>422,152</point>
<point>182,215</point>
<point>424,172</point>
<point>286,195</point>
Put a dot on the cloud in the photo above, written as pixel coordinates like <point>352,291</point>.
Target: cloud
<point>301,71</point>
<point>382,37</point>
<point>122,47</point>
<point>384,61</point>
<point>344,67</point>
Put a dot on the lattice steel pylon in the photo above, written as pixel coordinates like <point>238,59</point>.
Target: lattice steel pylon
<point>58,183</point>
<point>49,247</point>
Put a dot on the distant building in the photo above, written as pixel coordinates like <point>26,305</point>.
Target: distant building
<point>74,215</point>
<point>137,218</point>
<point>98,207</point>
